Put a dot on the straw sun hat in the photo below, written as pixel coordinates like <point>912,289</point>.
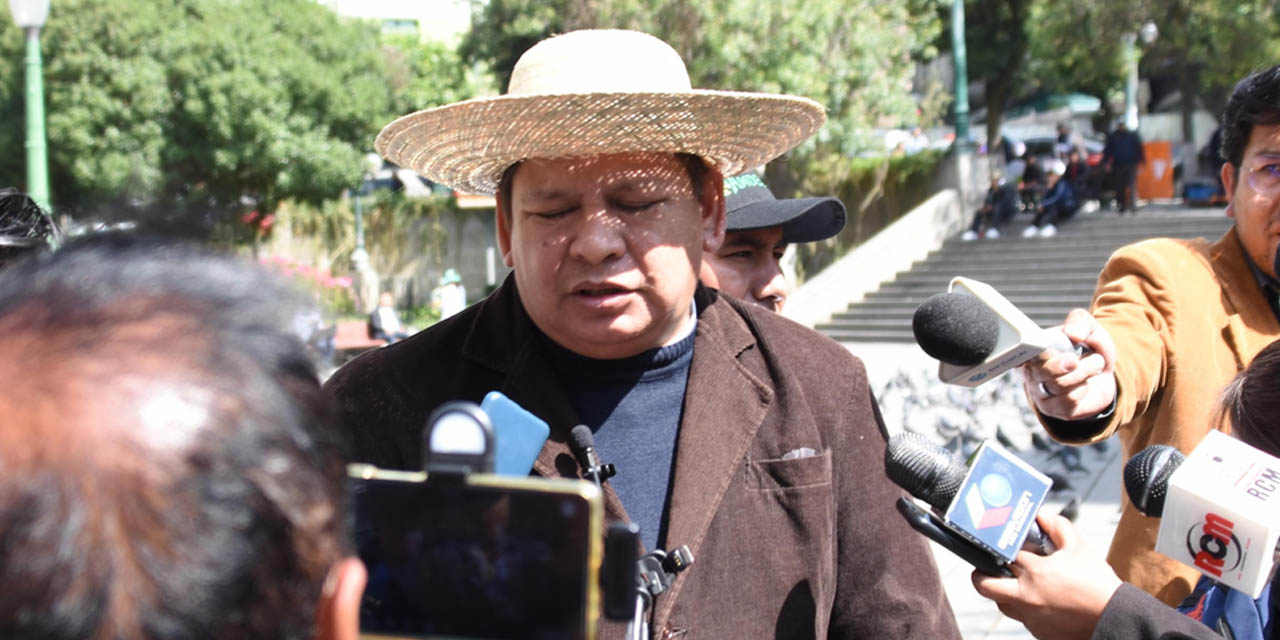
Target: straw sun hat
<point>592,92</point>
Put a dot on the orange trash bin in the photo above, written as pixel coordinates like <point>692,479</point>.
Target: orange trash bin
<point>1155,176</point>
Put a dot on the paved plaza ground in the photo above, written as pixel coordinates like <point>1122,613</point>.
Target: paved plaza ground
<point>1094,477</point>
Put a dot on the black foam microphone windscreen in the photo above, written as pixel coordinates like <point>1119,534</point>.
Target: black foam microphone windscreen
<point>1146,477</point>
<point>956,328</point>
<point>580,438</point>
<point>924,468</point>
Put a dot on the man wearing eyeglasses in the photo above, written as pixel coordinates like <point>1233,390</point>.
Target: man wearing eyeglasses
<point>1172,323</point>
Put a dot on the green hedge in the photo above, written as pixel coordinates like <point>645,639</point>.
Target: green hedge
<point>908,181</point>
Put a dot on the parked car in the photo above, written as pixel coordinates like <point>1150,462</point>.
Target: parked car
<point>1043,147</point>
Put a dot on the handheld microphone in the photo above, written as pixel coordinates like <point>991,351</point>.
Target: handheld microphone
<point>976,334</point>
<point>582,444</point>
<point>1218,508</point>
<point>992,501</point>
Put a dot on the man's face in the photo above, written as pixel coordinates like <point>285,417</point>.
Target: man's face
<point>606,249</point>
<point>747,266</point>
<point>1255,200</point>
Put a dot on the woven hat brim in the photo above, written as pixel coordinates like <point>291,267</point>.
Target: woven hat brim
<point>467,145</point>
<point>801,219</point>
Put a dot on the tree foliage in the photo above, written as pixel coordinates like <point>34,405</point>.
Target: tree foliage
<point>856,58</point>
<point>1206,46</point>
<point>201,108</point>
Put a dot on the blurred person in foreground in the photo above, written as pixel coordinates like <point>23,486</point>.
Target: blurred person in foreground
<point>25,228</point>
<point>748,264</point>
<point>1173,322</point>
<point>170,466</point>
<point>1073,593</point>
<point>752,440</point>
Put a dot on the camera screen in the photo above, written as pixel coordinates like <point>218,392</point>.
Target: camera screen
<point>467,561</point>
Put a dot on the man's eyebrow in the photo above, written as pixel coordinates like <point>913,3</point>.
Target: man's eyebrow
<point>744,240</point>
<point>635,184</point>
<point>545,193</point>
<point>1268,153</point>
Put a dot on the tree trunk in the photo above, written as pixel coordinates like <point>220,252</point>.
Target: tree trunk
<point>997,91</point>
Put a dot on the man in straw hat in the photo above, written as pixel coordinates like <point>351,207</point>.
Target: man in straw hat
<point>748,264</point>
<point>748,438</point>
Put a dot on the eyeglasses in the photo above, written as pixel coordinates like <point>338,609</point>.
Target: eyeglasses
<point>1263,174</point>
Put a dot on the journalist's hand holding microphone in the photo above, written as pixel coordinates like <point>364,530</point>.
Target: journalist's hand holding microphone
<point>1069,387</point>
<point>1059,596</point>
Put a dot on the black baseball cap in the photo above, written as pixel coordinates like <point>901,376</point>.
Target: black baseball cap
<point>750,205</point>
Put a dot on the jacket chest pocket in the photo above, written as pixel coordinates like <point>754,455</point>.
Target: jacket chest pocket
<point>804,471</point>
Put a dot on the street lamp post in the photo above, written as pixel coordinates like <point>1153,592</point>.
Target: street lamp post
<point>360,257</point>
<point>1147,34</point>
<point>959,57</point>
<point>30,15</point>
<point>366,278</point>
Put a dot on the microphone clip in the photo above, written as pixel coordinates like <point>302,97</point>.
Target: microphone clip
<point>599,473</point>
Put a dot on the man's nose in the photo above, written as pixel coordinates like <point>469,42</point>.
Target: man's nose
<point>771,287</point>
<point>597,237</point>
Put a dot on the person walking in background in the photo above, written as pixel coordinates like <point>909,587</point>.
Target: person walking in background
<point>998,207</point>
<point>1121,157</point>
<point>452,295</point>
<point>384,324</point>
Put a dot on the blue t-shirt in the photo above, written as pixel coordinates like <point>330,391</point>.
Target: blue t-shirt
<point>633,406</point>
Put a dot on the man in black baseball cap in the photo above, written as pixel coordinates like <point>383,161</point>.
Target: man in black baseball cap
<point>748,263</point>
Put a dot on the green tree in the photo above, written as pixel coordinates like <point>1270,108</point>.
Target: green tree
<point>856,58</point>
<point>201,108</point>
<point>1064,59</point>
<point>1210,45</point>
<point>997,41</point>
<point>424,74</point>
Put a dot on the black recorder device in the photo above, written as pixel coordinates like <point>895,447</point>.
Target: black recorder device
<point>457,551</point>
<point>480,556</point>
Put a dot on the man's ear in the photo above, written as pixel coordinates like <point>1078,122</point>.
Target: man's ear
<point>713,214</point>
<point>503,225</point>
<point>338,614</point>
<point>1229,174</point>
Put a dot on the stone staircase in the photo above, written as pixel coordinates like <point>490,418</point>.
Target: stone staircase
<point>1045,277</point>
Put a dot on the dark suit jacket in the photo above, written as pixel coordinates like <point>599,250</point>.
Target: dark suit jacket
<point>1131,614</point>
<point>806,547</point>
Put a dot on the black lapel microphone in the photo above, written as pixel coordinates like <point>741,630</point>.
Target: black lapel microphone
<point>582,444</point>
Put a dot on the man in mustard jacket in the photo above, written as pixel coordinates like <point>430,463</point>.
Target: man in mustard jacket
<point>1172,323</point>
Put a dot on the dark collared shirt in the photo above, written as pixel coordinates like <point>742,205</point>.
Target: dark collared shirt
<point>1270,286</point>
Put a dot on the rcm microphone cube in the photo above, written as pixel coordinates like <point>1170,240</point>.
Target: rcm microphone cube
<point>998,501</point>
<point>1222,513</point>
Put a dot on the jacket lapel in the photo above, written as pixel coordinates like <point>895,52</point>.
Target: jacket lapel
<point>1250,324</point>
<point>723,409</point>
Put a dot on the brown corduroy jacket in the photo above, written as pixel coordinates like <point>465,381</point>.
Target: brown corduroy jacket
<point>1186,316</point>
<point>808,547</point>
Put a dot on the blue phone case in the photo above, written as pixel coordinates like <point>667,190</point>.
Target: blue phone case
<point>518,435</point>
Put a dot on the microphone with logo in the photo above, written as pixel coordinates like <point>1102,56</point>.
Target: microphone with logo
<point>976,334</point>
<point>1219,509</point>
<point>983,511</point>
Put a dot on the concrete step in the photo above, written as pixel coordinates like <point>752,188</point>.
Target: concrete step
<point>860,313</point>
<point>1044,277</point>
